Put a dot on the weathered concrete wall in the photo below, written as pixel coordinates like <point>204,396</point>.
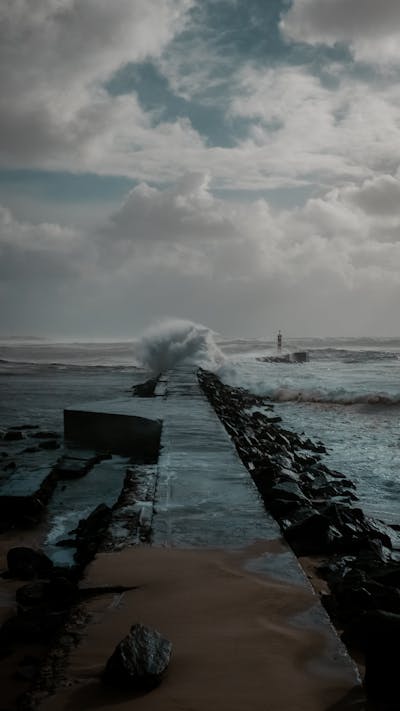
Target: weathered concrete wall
<point>117,433</point>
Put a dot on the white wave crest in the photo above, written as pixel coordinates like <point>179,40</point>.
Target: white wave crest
<point>175,341</point>
<point>337,397</point>
<point>243,374</point>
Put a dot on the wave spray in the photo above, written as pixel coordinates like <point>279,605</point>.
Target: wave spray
<point>174,341</point>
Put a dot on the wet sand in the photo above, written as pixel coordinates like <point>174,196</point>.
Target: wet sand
<point>236,644</point>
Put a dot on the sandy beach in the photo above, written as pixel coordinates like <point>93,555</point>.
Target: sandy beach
<point>236,643</point>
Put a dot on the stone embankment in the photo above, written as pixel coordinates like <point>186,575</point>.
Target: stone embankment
<point>316,508</point>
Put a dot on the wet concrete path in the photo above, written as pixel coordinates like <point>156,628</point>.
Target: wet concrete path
<point>205,498</point>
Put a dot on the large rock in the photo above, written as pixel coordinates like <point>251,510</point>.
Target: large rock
<point>388,576</point>
<point>309,535</point>
<point>24,511</point>
<point>288,490</point>
<point>145,389</point>
<point>90,532</point>
<point>382,658</point>
<point>56,594</point>
<point>13,436</point>
<point>70,467</point>
<point>32,626</point>
<point>27,563</point>
<point>139,660</point>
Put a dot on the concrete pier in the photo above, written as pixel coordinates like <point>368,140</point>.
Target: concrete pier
<point>116,426</point>
<point>205,497</point>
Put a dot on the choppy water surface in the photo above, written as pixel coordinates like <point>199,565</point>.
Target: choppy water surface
<point>347,395</point>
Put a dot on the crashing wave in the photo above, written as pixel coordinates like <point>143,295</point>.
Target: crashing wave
<point>175,341</point>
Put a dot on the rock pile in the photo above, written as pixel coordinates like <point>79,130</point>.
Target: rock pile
<point>317,512</point>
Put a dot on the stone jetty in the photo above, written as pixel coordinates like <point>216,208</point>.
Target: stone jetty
<point>187,463</point>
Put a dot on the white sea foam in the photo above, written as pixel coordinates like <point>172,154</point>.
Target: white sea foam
<point>339,397</point>
<point>346,383</point>
<point>175,341</point>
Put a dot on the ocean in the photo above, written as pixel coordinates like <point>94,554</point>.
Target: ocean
<point>347,395</point>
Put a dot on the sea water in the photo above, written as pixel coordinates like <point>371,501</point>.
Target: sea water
<point>39,379</point>
<point>347,395</point>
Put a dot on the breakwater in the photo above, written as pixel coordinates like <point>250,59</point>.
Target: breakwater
<point>318,514</point>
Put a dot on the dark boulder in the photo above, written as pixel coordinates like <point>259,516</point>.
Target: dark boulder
<point>385,598</point>
<point>27,563</point>
<point>284,497</point>
<point>139,660</point>
<point>356,531</point>
<point>145,389</point>
<point>328,490</point>
<point>317,447</point>
<point>45,434</point>
<point>382,657</point>
<point>374,557</point>
<point>32,626</point>
<point>282,509</point>
<point>13,436</point>
<point>334,569</point>
<point>49,444</point>
<point>28,668</point>
<point>390,575</point>
<point>378,531</point>
<point>25,511</point>
<point>288,490</point>
<point>90,532</point>
<point>56,594</point>
<point>353,601</point>
<point>32,594</point>
<point>10,467</point>
<point>309,535</point>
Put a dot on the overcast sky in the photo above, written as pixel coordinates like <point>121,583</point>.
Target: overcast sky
<point>233,162</point>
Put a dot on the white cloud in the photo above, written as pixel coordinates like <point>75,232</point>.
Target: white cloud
<point>378,196</point>
<point>300,127</point>
<point>56,114</point>
<point>184,213</point>
<point>40,250</point>
<point>328,266</point>
<point>186,229</point>
<point>55,57</point>
<point>234,265</point>
<point>370,28</point>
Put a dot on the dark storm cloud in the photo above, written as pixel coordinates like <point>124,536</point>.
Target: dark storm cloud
<point>370,28</point>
